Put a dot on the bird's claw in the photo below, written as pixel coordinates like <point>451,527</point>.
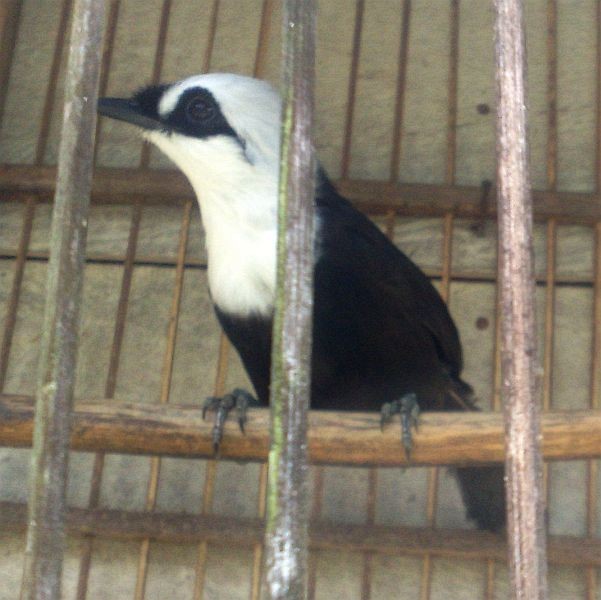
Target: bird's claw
<point>408,408</point>
<point>239,399</point>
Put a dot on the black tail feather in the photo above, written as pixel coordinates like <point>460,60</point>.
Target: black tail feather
<point>483,492</point>
<point>482,488</point>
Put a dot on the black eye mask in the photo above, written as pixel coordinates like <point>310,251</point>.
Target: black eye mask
<point>197,114</point>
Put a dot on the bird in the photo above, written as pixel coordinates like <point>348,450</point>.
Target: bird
<point>383,338</point>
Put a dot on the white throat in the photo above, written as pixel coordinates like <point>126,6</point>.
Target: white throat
<point>238,205</point>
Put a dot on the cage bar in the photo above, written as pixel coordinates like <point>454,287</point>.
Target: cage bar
<point>526,534</point>
<point>287,497</point>
<point>43,557</point>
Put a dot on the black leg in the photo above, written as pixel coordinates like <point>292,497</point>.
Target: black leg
<point>239,399</point>
<point>408,408</point>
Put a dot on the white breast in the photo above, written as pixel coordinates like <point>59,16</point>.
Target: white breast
<point>238,206</point>
<point>242,268</point>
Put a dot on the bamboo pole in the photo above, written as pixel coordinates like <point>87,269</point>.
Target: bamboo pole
<point>523,463</point>
<point>286,538</point>
<point>343,438</point>
<point>45,536</point>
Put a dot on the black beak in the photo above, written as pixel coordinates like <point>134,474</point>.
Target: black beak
<point>127,110</point>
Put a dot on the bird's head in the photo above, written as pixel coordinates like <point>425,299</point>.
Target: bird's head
<point>222,130</point>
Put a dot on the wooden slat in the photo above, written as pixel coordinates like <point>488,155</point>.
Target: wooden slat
<point>334,438</point>
<point>228,531</point>
<point>162,186</point>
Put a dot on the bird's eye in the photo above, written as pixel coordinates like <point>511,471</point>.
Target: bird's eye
<point>200,109</point>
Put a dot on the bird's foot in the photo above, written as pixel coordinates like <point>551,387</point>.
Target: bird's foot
<point>408,408</point>
<point>239,399</point>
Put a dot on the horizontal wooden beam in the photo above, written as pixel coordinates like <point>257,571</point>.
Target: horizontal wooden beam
<point>334,438</point>
<point>164,260</point>
<point>415,199</point>
<point>217,529</point>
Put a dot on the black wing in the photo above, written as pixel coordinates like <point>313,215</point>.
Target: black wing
<point>380,325</point>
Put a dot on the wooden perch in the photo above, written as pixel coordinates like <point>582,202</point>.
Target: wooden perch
<point>334,438</point>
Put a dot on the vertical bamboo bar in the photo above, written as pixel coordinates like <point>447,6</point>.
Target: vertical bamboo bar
<point>222,366</point>
<point>166,377</point>
<point>592,519</point>
<point>552,94</point>
<point>155,463</point>
<point>399,108</point>
<point>85,557</point>
<point>526,535</point>
<point>551,246</point>
<point>257,570</point>
<point>549,315</point>
<point>447,249</point>
<point>263,43</point>
<point>489,591</point>
<point>45,536</point>
<point>15,290</point>
<point>452,94</point>
<point>352,90</point>
<point>211,472</point>
<point>372,474</point>
<point>592,500</point>
<point>258,549</point>
<point>551,223</point>
<point>366,576</point>
<point>121,312</point>
<point>10,11</point>
<point>287,498</point>
<point>206,63</point>
<point>107,56</point>
<point>49,100</point>
<point>317,505</point>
